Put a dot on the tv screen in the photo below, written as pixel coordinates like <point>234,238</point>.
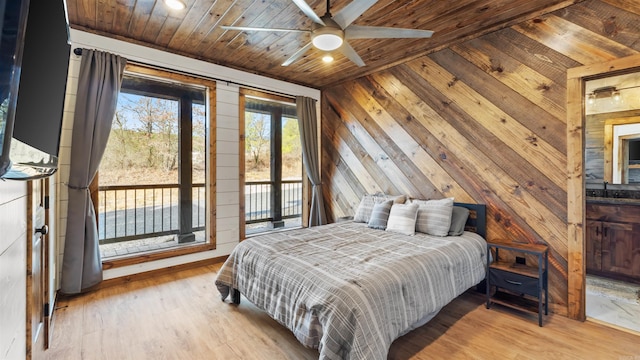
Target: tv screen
<point>40,98</point>
<point>13,14</point>
<point>634,150</point>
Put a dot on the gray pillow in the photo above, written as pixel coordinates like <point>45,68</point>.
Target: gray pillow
<point>380,215</point>
<point>402,218</point>
<point>459,217</point>
<point>434,216</point>
<point>363,213</point>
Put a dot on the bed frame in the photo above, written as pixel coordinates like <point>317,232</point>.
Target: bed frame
<point>477,223</point>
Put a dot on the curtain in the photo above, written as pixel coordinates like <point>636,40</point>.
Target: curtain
<point>308,124</point>
<point>98,87</point>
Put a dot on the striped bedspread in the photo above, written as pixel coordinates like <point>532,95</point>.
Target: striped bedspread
<point>348,290</point>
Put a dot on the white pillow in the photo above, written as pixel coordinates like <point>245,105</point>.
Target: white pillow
<point>402,219</point>
<point>434,216</point>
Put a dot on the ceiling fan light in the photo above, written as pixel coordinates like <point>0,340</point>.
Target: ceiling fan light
<point>327,42</point>
<point>327,58</point>
<point>175,4</point>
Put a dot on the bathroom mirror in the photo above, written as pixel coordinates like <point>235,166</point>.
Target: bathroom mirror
<point>612,131</point>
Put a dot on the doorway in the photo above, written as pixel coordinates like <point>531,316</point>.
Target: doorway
<point>612,291</point>
<point>270,149</point>
<point>593,293</point>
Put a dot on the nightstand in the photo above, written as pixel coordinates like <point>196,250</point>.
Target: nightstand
<point>526,286</point>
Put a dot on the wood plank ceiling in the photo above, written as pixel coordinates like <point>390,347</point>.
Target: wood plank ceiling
<point>195,31</point>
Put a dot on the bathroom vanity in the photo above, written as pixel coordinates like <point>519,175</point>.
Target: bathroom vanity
<point>613,237</point>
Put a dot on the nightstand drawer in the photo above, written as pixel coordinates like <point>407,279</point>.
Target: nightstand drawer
<point>514,282</point>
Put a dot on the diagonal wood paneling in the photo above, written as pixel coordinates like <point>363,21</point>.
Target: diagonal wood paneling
<point>482,121</point>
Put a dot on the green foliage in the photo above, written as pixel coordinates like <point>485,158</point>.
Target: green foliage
<point>258,142</point>
<point>257,137</point>
<point>144,135</point>
<point>290,138</point>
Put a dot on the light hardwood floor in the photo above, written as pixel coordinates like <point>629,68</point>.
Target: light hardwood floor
<point>180,316</point>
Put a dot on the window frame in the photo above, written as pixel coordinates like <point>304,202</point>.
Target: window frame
<point>210,183</point>
<point>306,196</point>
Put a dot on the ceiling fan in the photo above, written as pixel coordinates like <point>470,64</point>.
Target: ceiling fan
<point>332,32</point>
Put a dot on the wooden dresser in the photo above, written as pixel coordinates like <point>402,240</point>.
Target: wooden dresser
<point>613,239</point>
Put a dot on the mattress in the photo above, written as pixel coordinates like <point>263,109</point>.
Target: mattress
<point>349,290</point>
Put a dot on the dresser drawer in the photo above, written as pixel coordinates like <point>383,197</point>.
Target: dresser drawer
<point>514,282</point>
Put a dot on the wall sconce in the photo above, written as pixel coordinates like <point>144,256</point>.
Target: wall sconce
<point>611,92</point>
<point>616,97</point>
<point>604,92</point>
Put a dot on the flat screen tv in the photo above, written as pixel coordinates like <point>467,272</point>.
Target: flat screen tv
<point>13,16</point>
<point>634,150</point>
<point>38,65</point>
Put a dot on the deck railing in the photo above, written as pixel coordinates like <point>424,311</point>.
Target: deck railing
<point>258,200</point>
<point>129,212</point>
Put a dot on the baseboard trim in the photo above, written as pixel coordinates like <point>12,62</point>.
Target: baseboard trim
<point>159,272</point>
<point>151,273</point>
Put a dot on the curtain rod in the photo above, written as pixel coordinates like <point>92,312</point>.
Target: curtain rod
<point>78,51</point>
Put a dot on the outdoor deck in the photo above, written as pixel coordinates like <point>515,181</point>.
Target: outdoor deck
<point>141,218</point>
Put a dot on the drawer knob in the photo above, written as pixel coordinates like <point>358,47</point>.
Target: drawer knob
<point>513,282</point>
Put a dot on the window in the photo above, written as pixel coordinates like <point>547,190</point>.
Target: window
<point>154,185</point>
<point>271,188</point>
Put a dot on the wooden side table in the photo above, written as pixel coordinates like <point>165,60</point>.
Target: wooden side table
<point>519,279</point>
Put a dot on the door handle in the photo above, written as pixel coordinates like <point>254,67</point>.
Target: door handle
<point>44,230</point>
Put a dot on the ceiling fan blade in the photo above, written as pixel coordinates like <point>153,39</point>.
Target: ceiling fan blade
<point>307,10</point>
<point>351,54</point>
<point>381,32</point>
<point>351,12</point>
<point>248,28</point>
<point>297,55</point>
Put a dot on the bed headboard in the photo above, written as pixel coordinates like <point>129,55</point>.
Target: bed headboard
<point>477,221</point>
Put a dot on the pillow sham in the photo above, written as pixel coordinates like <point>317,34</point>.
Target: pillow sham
<point>434,216</point>
<point>363,213</point>
<point>402,218</point>
<point>380,215</point>
<point>459,217</point>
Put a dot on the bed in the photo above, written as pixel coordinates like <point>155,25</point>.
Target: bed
<point>349,290</point>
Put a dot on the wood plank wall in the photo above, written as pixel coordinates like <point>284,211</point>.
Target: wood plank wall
<point>483,121</point>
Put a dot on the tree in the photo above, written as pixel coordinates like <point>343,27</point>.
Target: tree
<point>120,136</point>
<point>257,136</point>
<point>291,149</point>
<point>290,138</point>
<point>199,142</point>
<point>157,120</point>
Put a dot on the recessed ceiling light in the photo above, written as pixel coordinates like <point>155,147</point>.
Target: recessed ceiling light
<point>175,4</point>
<point>327,58</point>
